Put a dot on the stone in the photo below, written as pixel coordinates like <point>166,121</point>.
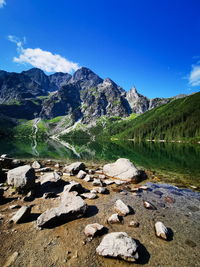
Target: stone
<point>122,169</point>
<point>89,195</point>
<point>118,245</point>
<point>81,174</point>
<point>49,195</point>
<point>121,208</point>
<point>102,176</point>
<point>50,178</point>
<point>10,261</point>
<point>36,165</point>
<point>134,224</point>
<point>57,165</point>
<point>118,182</point>
<point>97,182</point>
<point>74,186</point>
<point>100,190</point>
<point>22,178</point>
<point>30,196</point>
<point>12,207</point>
<point>93,229</point>
<point>88,178</point>
<point>161,230</point>
<point>22,214</point>
<point>108,182</point>
<point>115,218</point>
<point>149,205</point>
<point>71,207</point>
<point>45,169</point>
<point>74,168</point>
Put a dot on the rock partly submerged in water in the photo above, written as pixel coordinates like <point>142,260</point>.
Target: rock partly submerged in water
<point>71,207</point>
<point>122,169</point>
<point>22,178</point>
<point>118,245</point>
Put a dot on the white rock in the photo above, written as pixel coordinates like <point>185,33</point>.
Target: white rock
<point>100,190</point>
<point>52,177</point>
<point>161,230</point>
<point>97,182</point>
<point>81,174</point>
<point>70,208</point>
<point>93,229</point>
<point>122,169</point>
<point>87,178</point>
<point>89,195</point>
<point>118,245</point>
<point>149,205</point>
<point>108,182</point>
<point>22,214</point>
<point>36,165</point>
<point>74,168</point>
<point>102,176</point>
<point>22,177</point>
<point>121,208</point>
<point>74,186</point>
<point>114,218</point>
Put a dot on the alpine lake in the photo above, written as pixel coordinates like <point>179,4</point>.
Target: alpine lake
<point>175,163</point>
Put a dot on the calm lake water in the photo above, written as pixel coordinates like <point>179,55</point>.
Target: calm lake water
<point>175,161</point>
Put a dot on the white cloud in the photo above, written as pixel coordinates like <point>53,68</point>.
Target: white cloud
<point>42,59</point>
<point>194,77</point>
<point>2,3</point>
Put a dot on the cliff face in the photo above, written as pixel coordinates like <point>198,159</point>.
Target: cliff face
<point>140,104</point>
<point>83,95</point>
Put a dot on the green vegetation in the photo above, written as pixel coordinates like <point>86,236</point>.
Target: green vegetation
<point>177,120</point>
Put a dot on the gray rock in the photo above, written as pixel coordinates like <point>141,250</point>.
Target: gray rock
<point>70,208</point>
<point>121,208</point>
<point>108,182</point>
<point>97,182</point>
<point>81,174</point>
<point>93,229</point>
<point>122,169</point>
<point>74,168</point>
<point>22,214</point>
<point>74,186</point>
<point>100,190</point>
<point>36,165</point>
<point>23,178</point>
<point>89,195</point>
<point>134,224</point>
<point>87,178</point>
<point>114,218</point>
<point>118,245</point>
<point>50,178</point>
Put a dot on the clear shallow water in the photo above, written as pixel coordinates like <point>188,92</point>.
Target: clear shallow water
<point>178,161</point>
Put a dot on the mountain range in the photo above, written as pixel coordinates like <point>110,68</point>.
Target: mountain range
<point>83,96</point>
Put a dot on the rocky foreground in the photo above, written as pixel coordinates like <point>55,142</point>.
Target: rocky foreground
<point>55,214</point>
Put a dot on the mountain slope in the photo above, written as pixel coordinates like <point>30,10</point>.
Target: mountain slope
<point>176,120</point>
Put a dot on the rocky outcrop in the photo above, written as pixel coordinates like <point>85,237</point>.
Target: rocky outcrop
<point>22,178</point>
<point>122,169</point>
<point>118,245</point>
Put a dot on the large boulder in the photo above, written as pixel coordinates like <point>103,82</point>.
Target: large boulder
<point>74,168</point>
<point>70,208</point>
<point>122,169</point>
<point>118,245</point>
<point>52,178</point>
<point>22,178</point>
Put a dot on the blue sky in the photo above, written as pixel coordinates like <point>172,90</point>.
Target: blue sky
<point>154,45</point>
